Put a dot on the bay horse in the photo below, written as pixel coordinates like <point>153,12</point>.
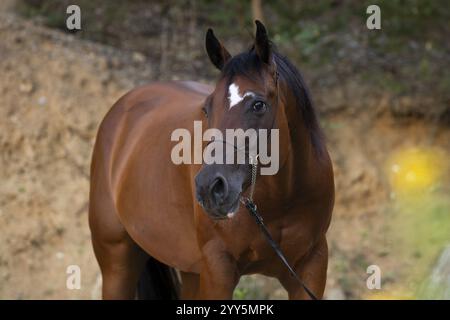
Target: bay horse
<point>149,217</point>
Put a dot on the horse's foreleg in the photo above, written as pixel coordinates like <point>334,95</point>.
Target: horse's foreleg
<point>121,264</point>
<point>312,270</point>
<point>219,274</point>
<point>190,284</point>
<point>121,260</point>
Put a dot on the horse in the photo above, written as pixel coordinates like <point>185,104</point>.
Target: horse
<point>167,231</point>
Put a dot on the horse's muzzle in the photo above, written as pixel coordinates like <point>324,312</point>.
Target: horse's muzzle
<point>217,193</point>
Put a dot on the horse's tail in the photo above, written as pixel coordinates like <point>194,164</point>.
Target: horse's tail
<point>158,282</point>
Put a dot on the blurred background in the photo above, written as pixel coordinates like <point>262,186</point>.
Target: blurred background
<point>383,97</point>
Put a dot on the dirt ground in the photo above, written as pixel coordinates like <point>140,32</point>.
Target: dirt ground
<point>54,91</point>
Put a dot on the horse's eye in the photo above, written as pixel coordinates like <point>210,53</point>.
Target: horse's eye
<point>259,107</point>
<point>205,112</point>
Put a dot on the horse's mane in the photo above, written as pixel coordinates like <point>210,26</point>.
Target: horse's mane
<point>249,65</point>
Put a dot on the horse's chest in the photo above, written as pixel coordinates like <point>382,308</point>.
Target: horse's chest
<point>260,256</point>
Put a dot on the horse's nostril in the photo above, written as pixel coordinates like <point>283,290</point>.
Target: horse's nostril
<point>219,190</point>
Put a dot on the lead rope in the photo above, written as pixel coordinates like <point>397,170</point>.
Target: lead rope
<point>253,210</point>
<point>254,163</point>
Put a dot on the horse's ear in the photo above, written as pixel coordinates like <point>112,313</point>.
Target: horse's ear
<point>216,51</point>
<point>262,43</point>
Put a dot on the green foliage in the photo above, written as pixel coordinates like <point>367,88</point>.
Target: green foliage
<point>328,37</point>
<point>424,224</point>
<point>240,294</point>
<point>299,25</point>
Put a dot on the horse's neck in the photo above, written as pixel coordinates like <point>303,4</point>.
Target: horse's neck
<point>293,175</point>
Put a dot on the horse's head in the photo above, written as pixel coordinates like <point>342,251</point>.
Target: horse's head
<point>245,97</point>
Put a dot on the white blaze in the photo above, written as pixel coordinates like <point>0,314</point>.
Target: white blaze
<point>234,96</point>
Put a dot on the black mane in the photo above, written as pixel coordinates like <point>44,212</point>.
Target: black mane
<point>249,65</point>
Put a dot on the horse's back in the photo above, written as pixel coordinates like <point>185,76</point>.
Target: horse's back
<point>152,197</point>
